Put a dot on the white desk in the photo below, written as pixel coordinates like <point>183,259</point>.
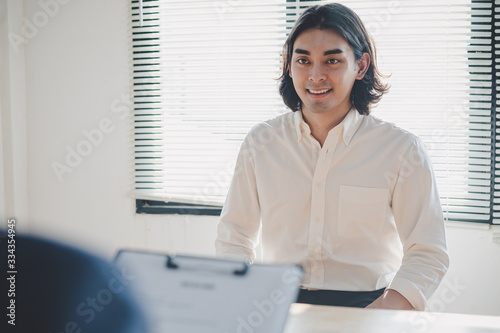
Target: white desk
<point>305,318</point>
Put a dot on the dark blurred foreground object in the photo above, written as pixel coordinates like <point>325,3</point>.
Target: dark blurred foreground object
<point>60,289</point>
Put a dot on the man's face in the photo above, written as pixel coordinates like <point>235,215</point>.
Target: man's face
<point>323,70</point>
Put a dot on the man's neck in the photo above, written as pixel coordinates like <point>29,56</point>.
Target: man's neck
<point>321,123</point>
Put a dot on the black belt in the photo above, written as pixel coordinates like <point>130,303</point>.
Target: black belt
<point>358,299</point>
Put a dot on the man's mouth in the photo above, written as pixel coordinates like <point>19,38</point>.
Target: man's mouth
<point>318,92</point>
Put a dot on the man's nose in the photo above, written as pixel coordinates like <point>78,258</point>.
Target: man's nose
<point>317,73</point>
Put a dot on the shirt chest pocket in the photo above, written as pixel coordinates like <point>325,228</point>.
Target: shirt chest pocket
<point>362,211</point>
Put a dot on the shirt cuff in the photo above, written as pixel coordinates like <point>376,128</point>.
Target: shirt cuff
<point>234,254</point>
<point>410,292</point>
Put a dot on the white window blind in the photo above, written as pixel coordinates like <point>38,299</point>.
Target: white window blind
<point>439,55</point>
<point>213,78</point>
<point>205,72</point>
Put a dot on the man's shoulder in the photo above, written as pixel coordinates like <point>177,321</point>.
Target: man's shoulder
<point>387,129</point>
<point>277,124</point>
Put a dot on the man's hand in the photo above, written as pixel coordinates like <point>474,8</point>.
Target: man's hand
<point>391,300</point>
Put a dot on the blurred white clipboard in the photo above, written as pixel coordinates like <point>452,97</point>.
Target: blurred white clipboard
<point>195,294</point>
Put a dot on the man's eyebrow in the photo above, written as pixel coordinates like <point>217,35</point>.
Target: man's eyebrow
<point>301,51</point>
<point>333,51</point>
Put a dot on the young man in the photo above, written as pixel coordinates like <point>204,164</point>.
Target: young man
<point>350,197</point>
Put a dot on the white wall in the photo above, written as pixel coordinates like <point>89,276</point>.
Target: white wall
<point>472,284</point>
<point>74,69</point>
<point>13,148</point>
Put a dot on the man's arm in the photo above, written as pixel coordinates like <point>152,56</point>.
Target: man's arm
<point>239,224</point>
<point>418,215</point>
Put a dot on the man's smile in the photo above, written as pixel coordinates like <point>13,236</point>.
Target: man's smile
<point>319,92</point>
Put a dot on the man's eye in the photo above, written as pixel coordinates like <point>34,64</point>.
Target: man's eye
<point>302,61</point>
<point>332,61</point>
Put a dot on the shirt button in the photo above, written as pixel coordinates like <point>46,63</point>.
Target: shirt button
<point>318,184</point>
<point>316,219</point>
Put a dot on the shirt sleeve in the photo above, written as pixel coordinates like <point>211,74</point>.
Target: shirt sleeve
<point>239,224</point>
<point>419,218</point>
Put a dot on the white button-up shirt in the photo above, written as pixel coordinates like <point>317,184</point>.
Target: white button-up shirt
<point>359,214</point>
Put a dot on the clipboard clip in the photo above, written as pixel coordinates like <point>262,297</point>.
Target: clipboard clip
<point>215,266</point>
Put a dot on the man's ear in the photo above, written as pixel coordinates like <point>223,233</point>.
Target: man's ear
<point>363,65</point>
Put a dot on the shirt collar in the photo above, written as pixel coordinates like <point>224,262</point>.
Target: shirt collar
<point>301,126</point>
<point>348,126</point>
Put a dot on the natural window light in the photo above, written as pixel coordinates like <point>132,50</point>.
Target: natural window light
<point>205,72</point>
